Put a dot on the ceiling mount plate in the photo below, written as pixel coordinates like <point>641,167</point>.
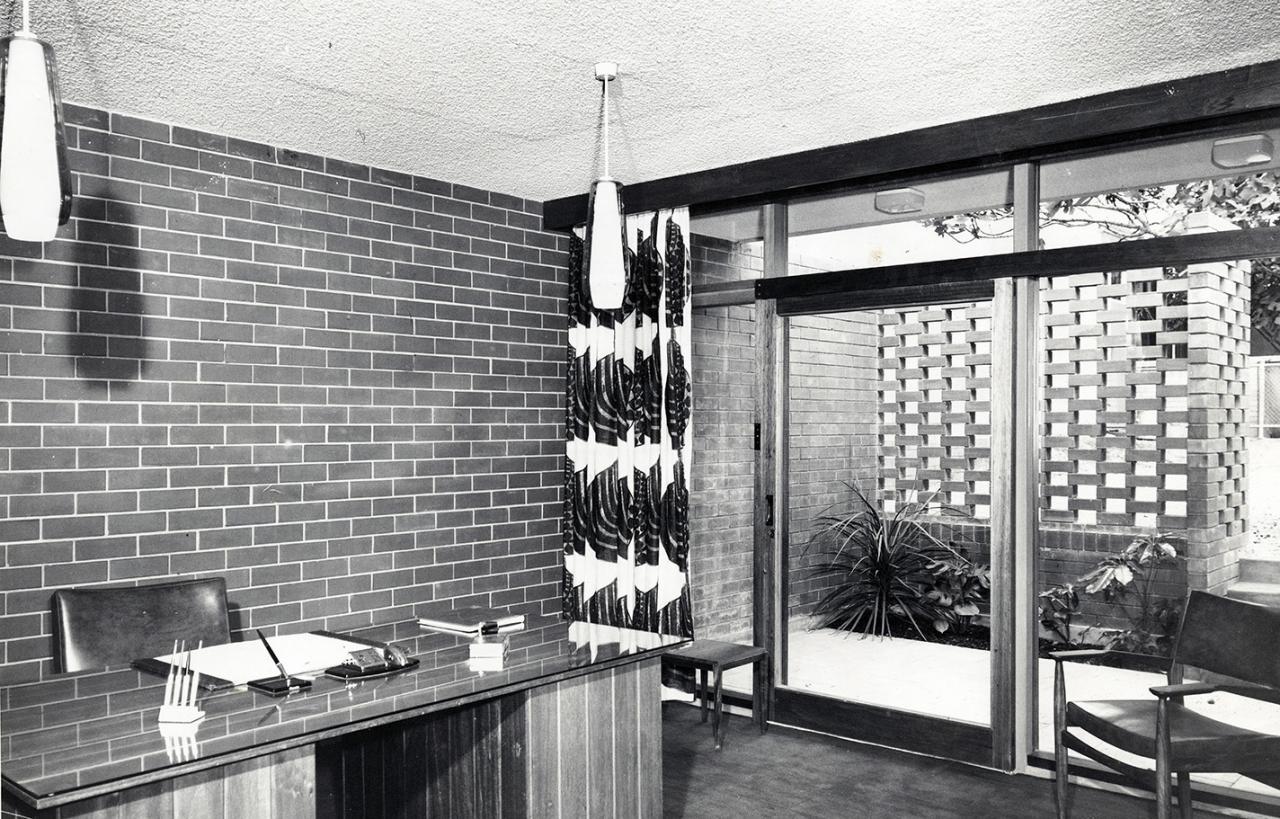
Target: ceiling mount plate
<point>606,71</point>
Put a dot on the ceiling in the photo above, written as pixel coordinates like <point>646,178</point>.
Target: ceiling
<point>500,94</point>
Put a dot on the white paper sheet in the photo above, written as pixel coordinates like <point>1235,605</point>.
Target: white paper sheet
<point>300,654</point>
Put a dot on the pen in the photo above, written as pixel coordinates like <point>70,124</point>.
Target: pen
<point>284,675</point>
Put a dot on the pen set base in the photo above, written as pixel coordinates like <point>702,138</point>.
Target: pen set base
<point>279,686</point>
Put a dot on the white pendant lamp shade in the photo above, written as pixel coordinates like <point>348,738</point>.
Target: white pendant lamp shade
<point>606,262</point>
<point>35,184</point>
<point>606,259</point>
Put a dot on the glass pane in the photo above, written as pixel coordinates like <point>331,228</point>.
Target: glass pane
<point>889,482</point>
<point>854,230</point>
<point>723,470</point>
<point>726,246</point>
<point>1155,479</point>
<point>1162,190</point>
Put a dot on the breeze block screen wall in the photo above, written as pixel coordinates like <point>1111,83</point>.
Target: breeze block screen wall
<point>341,387</point>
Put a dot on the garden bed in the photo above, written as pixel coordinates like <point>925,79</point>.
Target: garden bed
<point>979,637</point>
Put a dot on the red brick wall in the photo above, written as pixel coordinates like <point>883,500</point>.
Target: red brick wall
<point>339,387</point>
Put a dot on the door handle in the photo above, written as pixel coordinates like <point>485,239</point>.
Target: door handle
<point>768,510</point>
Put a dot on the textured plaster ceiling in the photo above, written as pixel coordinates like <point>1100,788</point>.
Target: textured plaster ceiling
<point>500,94</point>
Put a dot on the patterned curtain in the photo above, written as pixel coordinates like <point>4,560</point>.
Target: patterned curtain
<point>626,507</point>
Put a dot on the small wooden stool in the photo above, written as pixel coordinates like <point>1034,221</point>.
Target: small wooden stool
<point>718,657</point>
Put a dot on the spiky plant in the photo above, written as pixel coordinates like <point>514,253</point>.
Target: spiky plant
<point>885,568</point>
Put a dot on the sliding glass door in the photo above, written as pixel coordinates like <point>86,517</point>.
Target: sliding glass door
<point>725,251</point>
<point>885,582</point>
<point>888,448</point>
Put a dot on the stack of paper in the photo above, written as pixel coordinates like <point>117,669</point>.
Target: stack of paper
<point>300,654</point>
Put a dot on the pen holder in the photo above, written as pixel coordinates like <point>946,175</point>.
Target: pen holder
<point>180,743</point>
<point>180,690</point>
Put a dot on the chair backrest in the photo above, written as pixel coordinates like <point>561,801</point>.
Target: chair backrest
<point>94,628</point>
<point>1230,637</point>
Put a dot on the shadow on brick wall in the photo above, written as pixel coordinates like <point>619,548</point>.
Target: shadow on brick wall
<point>106,319</point>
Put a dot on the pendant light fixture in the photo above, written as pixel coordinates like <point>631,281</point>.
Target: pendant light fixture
<point>606,259</point>
<point>35,182</point>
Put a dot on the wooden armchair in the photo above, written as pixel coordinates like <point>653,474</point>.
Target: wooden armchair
<point>1223,636</point>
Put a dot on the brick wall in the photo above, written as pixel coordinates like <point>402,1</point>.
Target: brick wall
<point>832,436</point>
<point>724,457</point>
<point>338,387</point>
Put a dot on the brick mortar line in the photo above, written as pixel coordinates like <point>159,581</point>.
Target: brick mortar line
<point>276,150</point>
<point>280,268</point>
<point>224,176</point>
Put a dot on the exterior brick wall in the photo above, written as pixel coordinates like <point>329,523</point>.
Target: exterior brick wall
<point>339,387</point>
<point>833,382</point>
<point>1219,329</point>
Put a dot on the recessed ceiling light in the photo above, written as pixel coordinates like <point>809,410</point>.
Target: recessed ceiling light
<point>900,200</point>
<point>1238,152</point>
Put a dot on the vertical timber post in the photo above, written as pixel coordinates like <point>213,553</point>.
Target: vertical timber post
<point>769,584</point>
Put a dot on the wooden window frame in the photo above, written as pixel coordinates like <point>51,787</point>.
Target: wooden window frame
<point>1207,105</point>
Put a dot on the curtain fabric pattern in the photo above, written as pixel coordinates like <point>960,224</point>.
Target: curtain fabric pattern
<point>626,508</point>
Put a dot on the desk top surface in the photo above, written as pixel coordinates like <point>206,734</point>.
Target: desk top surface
<point>70,736</point>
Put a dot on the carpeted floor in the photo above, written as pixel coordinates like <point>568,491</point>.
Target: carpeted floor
<point>788,773</point>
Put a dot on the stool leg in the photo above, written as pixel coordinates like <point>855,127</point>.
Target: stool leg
<point>758,695</point>
<point>717,728</point>
<point>767,661</point>
<point>702,693</point>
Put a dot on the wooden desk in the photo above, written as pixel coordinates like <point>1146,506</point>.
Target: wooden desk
<point>436,740</point>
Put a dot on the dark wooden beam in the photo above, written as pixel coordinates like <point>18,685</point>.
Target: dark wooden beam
<point>886,297</point>
<point>1196,248</point>
<point>1160,110</point>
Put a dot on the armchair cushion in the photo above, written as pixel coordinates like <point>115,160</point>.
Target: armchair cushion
<point>1197,742</point>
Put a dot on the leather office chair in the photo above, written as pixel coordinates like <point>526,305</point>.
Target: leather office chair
<point>94,628</point>
<point>1219,635</point>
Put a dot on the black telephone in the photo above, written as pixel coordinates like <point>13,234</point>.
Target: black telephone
<point>372,662</point>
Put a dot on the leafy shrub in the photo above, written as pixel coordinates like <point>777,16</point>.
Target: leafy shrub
<point>1127,582</point>
<point>1058,607</point>
<point>960,589</point>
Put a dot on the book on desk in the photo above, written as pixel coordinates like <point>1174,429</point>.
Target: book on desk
<point>468,621</point>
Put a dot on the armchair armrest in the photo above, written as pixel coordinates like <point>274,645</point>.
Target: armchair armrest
<point>1182,690</point>
<point>1128,659</point>
<point>1256,692</point>
<point>1078,654</point>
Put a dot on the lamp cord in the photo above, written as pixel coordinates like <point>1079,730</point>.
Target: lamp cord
<point>26,16</point>
<point>606,81</point>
